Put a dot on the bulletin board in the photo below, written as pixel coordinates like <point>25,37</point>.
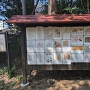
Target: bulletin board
<point>57,45</point>
<point>2,42</point>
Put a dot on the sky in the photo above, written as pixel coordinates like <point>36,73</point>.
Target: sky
<point>42,1</point>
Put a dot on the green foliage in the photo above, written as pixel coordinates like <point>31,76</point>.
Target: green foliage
<point>74,10</point>
<point>20,78</point>
<point>12,72</point>
<point>68,7</point>
<point>1,84</point>
<point>29,6</point>
<point>12,83</point>
<point>3,69</point>
<point>7,86</point>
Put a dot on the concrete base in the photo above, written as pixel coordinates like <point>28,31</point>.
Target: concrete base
<point>23,85</point>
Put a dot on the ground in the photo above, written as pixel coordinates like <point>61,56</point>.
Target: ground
<point>49,80</point>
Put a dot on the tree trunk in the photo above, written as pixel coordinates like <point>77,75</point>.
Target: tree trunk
<point>87,6</point>
<point>82,5</point>
<point>24,7</point>
<point>32,7</point>
<point>71,6</point>
<point>52,7</point>
<point>33,12</point>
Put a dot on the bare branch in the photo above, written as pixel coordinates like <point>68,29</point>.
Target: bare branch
<point>33,12</point>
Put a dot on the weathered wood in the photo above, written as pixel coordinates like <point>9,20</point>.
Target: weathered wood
<point>24,53</point>
<point>8,52</point>
<point>73,66</point>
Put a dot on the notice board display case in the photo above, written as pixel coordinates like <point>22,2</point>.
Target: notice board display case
<point>55,42</point>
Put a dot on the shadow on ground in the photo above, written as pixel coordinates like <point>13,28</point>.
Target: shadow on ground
<point>58,80</point>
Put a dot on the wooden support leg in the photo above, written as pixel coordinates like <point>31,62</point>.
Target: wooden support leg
<point>8,53</point>
<point>24,55</point>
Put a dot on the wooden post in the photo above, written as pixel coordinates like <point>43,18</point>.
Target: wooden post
<point>24,55</point>
<point>8,52</point>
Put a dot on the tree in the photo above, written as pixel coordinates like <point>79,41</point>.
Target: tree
<point>83,5</point>
<point>52,7</point>
<point>24,12</point>
<point>14,7</point>
<point>11,7</point>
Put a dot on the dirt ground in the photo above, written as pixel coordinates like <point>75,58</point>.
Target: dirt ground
<point>51,80</point>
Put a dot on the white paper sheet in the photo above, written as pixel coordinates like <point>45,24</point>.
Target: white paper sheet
<point>86,30</point>
<point>57,45</point>
<point>87,40</point>
<point>57,33</point>
<point>39,33</point>
<point>40,58</point>
<point>77,30</point>
<point>31,58</point>
<point>49,58</point>
<point>77,40</point>
<point>66,58</point>
<point>66,32</point>
<point>40,45</point>
<point>57,58</point>
<point>86,49</point>
<point>87,57</point>
<point>66,43</point>
<point>30,33</point>
<point>77,57</point>
<point>48,32</point>
<point>66,49</point>
<point>31,46</point>
<point>49,43</point>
